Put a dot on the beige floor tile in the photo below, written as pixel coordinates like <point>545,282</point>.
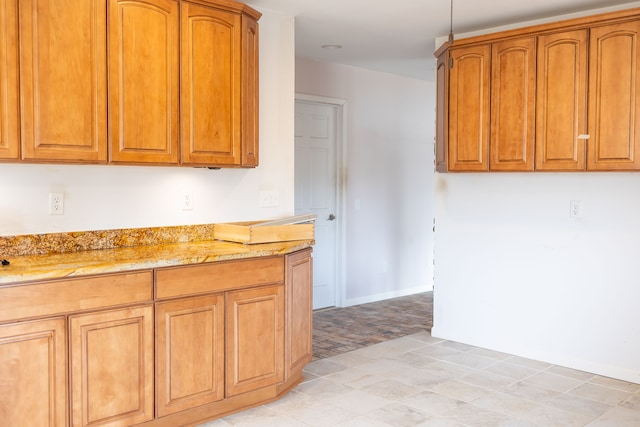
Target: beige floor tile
<point>399,415</point>
<point>470,360</point>
<point>420,381</point>
<point>323,388</point>
<point>459,390</point>
<point>432,403</point>
<point>487,380</point>
<point>531,392</point>
<point>470,415</point>
<point>505,404</point>
<point>508,369</point>
<point>571,373</point>
<point>551,417</point>
<point>600,393</point>
<point>616,384</point>
<point>320,414</point>
<point>391,389</point>
<point>529,363</point>
<point>578,405</point>
<point>617,417</point>
<point>359,401</point>
<point>324,367</point>
<point>554,382</point>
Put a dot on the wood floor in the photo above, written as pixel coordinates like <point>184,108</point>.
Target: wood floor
<point>339,330</point>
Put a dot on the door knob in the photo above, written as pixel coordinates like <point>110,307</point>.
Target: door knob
<point>331,217</point>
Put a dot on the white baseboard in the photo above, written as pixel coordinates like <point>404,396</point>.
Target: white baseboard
<point>386,295</point>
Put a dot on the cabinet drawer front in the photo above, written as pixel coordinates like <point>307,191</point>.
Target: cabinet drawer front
<point>178,281</point>
<point>64,296</point>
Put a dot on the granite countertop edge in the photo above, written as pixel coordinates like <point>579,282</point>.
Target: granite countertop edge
<point>30,268</point>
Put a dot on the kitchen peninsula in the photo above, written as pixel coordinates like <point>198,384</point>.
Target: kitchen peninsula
<point>157,327</point>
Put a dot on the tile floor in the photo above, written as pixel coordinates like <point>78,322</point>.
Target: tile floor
<point>339,330</point>
<point>418,380</point>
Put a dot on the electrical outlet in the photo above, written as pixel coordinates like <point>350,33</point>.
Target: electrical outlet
<point>269,199</point>
<point>187,201</point>
<point>56,203</point>
<point>575,209</point>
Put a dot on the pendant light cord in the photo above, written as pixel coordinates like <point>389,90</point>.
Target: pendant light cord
<point>451,24</point>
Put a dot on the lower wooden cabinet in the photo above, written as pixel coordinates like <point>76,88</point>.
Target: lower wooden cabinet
<point>33,373</point>
<point>189,353</point>
<point>299,312</point>
<point>111,355</point>
<point>255,338</point>
<point>170,347</point>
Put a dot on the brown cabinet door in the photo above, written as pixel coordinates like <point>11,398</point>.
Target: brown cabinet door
<point>210,96</point>
<point>561,110</point>
<point>9,124</point>
<point>442,111</point>
<point>298,337</point>
<point>513,91</point>
<point>111,357</point>
<point>33,373</point>
<point>469,93</point>
<point>255,339</point>
<point>143,81</point>
<point>250,90</point>
<point>189,353</point>
<point>614,97</point>
<point>63,80</point>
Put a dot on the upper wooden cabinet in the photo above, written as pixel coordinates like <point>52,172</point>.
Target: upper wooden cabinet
<point>614,97</point>
<point>513,92</point>
<point>9,122</point>
<point>469,91</point>
<point>561,110</point>
<point>182,82</point>
<point>442,111</point>
<point>211,98</point>
<point>250,91</point>
<point>564,96</point>
<point>63,87</point>
<point>143,81</point>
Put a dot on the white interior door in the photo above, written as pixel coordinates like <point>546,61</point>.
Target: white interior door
<point>316,190</point>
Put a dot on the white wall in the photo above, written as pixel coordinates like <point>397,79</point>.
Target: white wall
<point>106,197</point>
<point>389,138</point>
<point>514,273</point>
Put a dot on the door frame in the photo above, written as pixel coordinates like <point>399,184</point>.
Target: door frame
<point>341,193</point>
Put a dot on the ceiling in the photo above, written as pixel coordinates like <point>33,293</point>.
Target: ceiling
<point>398,36</point>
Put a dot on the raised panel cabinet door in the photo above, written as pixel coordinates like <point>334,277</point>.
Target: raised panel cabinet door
<point>33,374</point>
<point>442,111</point>
<point>469,108</point>
<point>255,339</point>
<point>9,124</point>
<point>189,353</point>
<point>614,97</point>
<point>143,81</point>
<point>211,92</point>
<point>561,109</point>
<point>111,355</point>
<point>298,337</point>
<point>63,86</point>
<point>250,92</point>
<point>513,92</point>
